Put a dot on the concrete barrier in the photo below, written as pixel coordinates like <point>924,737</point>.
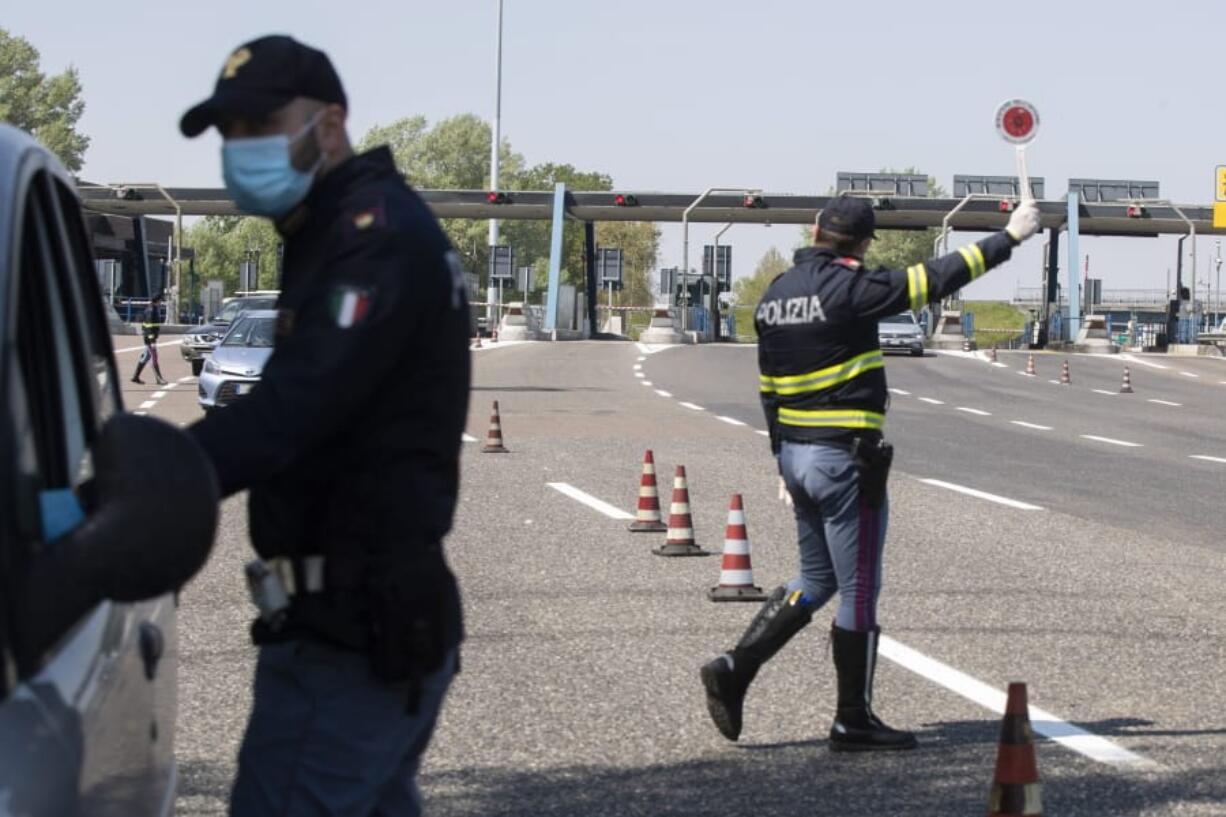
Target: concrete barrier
<point>1093,336</point>
<point>515,325</point>
<point>948,334</point>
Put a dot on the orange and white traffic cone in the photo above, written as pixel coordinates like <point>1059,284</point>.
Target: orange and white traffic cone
<point>493,441</point>
<point>680,540</point>
<point>1126,386</point>
<point>735,571</point>
<point>648,520</point>
<point>1065,380</point>
<point>1016,791</point>
<point>1030,366</point>
<point>992,355</point>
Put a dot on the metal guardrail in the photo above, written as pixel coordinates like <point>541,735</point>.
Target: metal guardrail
<point>1110,297</point>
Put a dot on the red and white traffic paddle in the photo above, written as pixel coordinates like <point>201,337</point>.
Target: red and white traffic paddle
<point>1017,122</point>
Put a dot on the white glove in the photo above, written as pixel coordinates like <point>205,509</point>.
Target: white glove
<point>785,495</point>
<point>1024,222</point>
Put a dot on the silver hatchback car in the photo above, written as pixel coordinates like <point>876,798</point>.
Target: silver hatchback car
<point>235,366</point>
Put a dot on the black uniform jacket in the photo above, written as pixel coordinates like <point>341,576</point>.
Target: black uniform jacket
<point>822,374</point>
<point>350,442</point>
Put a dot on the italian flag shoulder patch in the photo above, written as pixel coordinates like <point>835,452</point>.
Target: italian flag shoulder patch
<point>350,306</point>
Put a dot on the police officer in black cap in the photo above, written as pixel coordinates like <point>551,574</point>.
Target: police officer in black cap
<point>823,389</point>
<point>349,446</point>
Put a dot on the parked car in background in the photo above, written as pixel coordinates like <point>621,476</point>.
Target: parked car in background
<point>236,364</point>
<point>901,333</point>
<point>105,515</point>
<point>201,340</point>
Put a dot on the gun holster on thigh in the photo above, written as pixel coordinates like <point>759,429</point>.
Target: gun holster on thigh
<point>873,458</point>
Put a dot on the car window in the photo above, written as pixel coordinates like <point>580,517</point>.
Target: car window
<point>248,331</point>
<point>904,318</point>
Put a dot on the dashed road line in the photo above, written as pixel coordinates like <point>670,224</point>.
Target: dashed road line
<point>645,383</point>
<point>1111,441</point>
<point>663,393</point>
<point>1025,374</point>
<point>140,413</point>
<point>1207,458</point>
<point>187,379</point>
<point>1054,382</point>
<point>1045,723</point>
<point>1104,391</point>
<point>932,400</point>
<point>173,385</point>
<point>760,431</point>
<point>641,359</point>
<point>639,374</point>
<point>1189,374</point>
<point>1035,426</point>
<point>589,500</point>
<point>158,395</point>
<point>468,438</point>
<point>691,406</point>
<point>638,367</point>
<point>1164,402</point>
<point>979,412</point>
<point>732,421</point>
<point>1000,500</point>
<point>148,404</point>
<point>900,391</point>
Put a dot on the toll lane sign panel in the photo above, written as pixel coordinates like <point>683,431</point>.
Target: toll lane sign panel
<point>1219,198</point>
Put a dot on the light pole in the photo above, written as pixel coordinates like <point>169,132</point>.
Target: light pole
<point>1217,288</point>
<point>497,126</point>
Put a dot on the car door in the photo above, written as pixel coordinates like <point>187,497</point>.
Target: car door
<point>95,692</point>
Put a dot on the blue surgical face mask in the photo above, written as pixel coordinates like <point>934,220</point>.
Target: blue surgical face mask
<point>260,176</point>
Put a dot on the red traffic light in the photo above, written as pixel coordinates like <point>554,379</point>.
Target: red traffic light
<point>626,200</point>
<point>497,197</point>
<point>1005,206</point>
<point>1135,211</point>
<point>754,201</point>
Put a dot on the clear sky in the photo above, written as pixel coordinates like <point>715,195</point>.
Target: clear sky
<point>681,94</point>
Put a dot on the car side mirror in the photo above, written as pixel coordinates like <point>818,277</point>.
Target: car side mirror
<point>149,530</point>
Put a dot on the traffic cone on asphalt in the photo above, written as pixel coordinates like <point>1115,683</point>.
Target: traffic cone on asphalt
<point>1030,365</point>
<point>735,571</point>
<point>992,355</point>
<point>493,441</point>
<point>1065,380</point>
<point>1016,791</point>
<point>680,540</point>
<point>1126,386</point>
<point>647,520</point>
<point>966,344</point>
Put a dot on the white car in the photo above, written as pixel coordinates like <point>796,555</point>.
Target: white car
<point>901,333</point>
<point>235,366</point>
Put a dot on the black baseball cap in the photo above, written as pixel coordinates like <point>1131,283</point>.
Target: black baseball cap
<point>848,217</point>
<point>262,76</point>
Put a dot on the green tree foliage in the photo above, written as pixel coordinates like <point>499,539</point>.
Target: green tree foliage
<point>749,290</point>
<point>222,243</point>
<point>640,245</point>
<point>49,107</point>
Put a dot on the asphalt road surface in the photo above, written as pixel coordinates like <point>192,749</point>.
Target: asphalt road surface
<point>1091,570</point>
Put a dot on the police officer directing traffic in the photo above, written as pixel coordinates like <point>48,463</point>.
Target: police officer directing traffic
<point>349,445</point>
<point>823,389</point>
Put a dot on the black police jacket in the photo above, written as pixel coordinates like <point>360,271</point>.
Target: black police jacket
<point>350,443</point>
<point>821,371</point>
<point>150,326</point>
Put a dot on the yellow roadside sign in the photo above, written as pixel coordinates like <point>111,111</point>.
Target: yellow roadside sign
<point>1219,190</point>
<point>1219,215</point>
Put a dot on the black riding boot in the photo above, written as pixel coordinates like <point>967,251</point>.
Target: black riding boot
<point>856,728</point>
<point>727,678</point>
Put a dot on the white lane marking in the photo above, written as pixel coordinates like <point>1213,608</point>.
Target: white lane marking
<point>900,391</point>
<point>1189,374</point>
<point>1104,391</point>
<point>979,412</point>
<point>1164,402</point>
<point>1035,426</point>
<point>663,393</point>
<point>1142,362</point>
<point>158,395</point>
<point>1111,441</point>
<point>1046,724</point>
<point>763,433</point>
<point>641,359</point>
<point>1025,374</point>
<point>1222,382</point>
<point>639,374</point>
<point>1054,382</point>
<point>138,348</point>
<point>142,414</point>
<point>173,385</point>
<point>692,406</point>
<point>732,421</point>
<point>187,379</point>
<point>468,438</point>
<point>1207,458</point>
<point>148,404</point>
<point>589,500</point>
<point>1000,500</point>
<point>645,383</point>
<point>933,401</point>
<point>638,367</point>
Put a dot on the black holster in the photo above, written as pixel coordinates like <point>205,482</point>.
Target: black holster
<point>873,457</point>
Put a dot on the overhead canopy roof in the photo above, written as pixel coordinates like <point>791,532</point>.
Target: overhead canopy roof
<point>1096,218</point>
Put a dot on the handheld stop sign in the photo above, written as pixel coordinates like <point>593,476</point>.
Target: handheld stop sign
<point>1017,122</point>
